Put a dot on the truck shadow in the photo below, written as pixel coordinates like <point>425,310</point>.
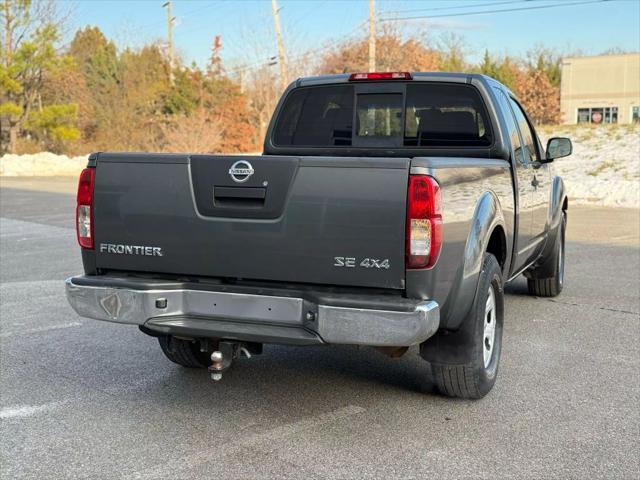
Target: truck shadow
<point>333,375</point>
<point>286,377</point>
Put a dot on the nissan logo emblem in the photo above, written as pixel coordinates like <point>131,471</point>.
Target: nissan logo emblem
<point>241,171</point>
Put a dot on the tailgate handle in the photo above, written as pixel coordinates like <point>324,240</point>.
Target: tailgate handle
<point>248,197</point>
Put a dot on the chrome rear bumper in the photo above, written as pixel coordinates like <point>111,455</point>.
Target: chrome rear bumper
<point>251,317</point>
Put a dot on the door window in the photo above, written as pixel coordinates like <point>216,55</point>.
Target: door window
<point>528,135</point>
<point>512,129</point>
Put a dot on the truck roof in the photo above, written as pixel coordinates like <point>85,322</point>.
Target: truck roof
<point>483,84</point>
<point>456,77</point>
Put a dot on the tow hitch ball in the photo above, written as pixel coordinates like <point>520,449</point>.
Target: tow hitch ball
<point>222,358</point>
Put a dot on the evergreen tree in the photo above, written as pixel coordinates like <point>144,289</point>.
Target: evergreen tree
<point>25,63</point>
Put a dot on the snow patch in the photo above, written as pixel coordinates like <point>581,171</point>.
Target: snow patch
<point>43,164</point>
<point>604,168</point>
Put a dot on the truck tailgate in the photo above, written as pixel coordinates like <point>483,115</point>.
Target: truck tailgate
<point>323,220</point>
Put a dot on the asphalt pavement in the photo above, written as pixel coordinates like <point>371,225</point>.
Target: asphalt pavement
<point>86,399</point>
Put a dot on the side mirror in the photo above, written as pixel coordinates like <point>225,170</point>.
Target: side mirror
<point>558,147</point>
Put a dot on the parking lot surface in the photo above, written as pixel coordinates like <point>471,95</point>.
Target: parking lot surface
<point>85,399</point>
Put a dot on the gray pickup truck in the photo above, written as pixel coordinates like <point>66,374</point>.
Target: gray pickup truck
<point>388,210</point>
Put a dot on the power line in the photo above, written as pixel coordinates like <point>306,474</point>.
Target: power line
<point>334,43</point>
<point>198,10</point>
<point>303,55</point>
<point>306,14</point>
<point>482,12</point>
<point>186,14</point>
<point>358,29</point>
<point>455,7</point>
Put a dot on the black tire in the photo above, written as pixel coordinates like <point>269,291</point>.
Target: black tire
<point>183,352</point>
<point>475,379</point>
<point>551,286</point>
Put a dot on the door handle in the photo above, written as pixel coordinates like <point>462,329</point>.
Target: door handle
<point>535,182</point>
<point>239,197</point>
<point>240,192</point>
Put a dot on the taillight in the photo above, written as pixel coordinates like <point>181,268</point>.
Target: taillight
<point>424,222</point>
<point>380,76</point>
<point>84,208</point>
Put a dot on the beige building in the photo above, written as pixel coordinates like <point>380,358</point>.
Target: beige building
<point>602,89</point>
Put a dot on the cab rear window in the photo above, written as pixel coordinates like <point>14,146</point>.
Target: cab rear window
<point>424,114</point>
<point>317,117</point>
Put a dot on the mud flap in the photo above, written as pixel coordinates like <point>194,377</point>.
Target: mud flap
<point>455,347</point>
<point>451,347</point>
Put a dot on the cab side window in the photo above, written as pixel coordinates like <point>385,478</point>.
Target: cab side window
<point>528,135</point>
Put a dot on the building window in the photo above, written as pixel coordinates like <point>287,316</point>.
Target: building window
<point>598,115</point>
<point>635,114</point>
<point>583,115</point>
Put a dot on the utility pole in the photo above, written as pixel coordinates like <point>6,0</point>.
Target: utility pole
<point>372,35</point>
<point>170,20</point>
<point>284,76</point>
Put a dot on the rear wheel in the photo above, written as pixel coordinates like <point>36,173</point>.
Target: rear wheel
<point>551,286</point>
<point>184,352</point>
<point>476,378</point>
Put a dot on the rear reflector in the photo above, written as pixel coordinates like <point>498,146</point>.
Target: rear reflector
<point>424,222</point>
<point>380,76</point>
<point>84,208</point>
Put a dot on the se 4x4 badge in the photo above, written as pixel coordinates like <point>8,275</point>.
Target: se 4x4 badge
<point>352,262</point>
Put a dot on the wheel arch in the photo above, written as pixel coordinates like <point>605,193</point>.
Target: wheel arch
<point>558,206</point>
<point>559,202</point>
<point>497,245</point>
<point>487,232</point>
<point>452,344</point>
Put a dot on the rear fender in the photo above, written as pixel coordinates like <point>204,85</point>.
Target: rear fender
<point>487,216</point>
<point>452,344</point>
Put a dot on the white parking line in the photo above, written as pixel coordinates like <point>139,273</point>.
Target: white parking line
<point>23,411</point>
<point>40,329</point>
<point>11,228</point>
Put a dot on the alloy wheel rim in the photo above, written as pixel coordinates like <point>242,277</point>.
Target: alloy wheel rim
<point>489,337</point>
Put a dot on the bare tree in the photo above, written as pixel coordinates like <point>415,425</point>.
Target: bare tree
<point>454,51</point>
<point>263,93</point>
<point>21,18</point>
<point>195,133</point>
